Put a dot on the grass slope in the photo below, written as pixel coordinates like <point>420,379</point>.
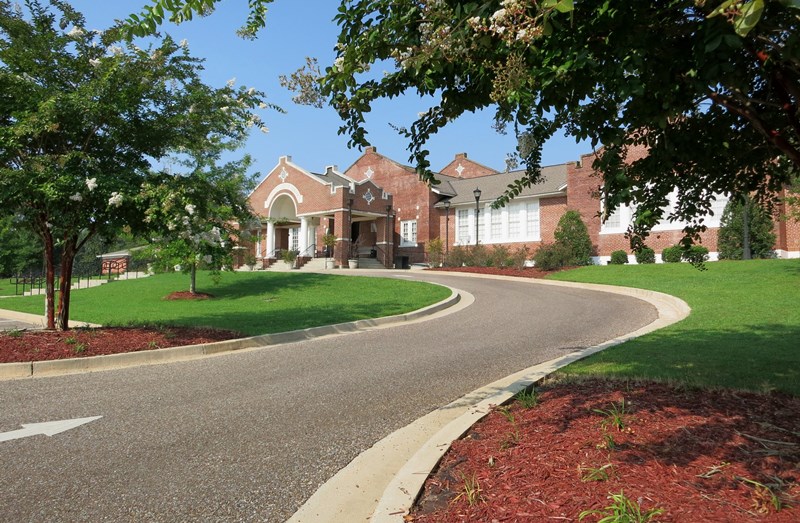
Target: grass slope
<point>248,302</point>
<point>743,332</point>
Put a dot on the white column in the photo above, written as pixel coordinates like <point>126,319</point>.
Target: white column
<point>259,233</point>
<point>270,239</point>
<point>303,240</point>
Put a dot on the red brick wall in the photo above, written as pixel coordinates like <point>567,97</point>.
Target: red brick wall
<point>411,198</point>
<point>469,169</point>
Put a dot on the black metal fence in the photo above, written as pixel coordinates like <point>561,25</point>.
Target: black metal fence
<point>83,274</point>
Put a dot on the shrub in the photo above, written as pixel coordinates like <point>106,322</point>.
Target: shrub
<point>551,256</point>
<point>618,258</point>
<point>672,254</point>
<point>645,255</point>
<point>500,256</point>
<point>435,250</point>
<point>479,256</point>
<point>730,237</point>
<point>697,254</point>
<point>457,257</point>
<point>519,257</point>
<point>572,233</point>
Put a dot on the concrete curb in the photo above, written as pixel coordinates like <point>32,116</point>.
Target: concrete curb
<point>389,476</point>
<point>10,371</point>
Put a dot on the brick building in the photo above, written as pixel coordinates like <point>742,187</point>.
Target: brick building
<point>380,210</point>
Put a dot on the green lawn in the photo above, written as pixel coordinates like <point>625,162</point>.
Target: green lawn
<point>248,302</point>
<point>743,332</point>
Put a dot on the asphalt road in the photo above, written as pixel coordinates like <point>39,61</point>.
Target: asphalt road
<point>250,436</point>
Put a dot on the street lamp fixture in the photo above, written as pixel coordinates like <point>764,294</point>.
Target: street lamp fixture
<point>446,205</point>
<point>477,194</point>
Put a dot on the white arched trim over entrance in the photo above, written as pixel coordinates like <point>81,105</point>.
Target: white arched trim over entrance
<point>283,187</point>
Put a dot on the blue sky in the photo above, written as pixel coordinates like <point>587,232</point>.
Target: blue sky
<point>296,29</point>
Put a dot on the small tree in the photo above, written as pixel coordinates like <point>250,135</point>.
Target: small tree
<point>195,217</point>
<point>572,233</point>
<point>745,231</point>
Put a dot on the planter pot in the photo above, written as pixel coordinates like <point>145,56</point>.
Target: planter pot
<point>353,264</point>
<point>330,264</point>
<point>289,265</point>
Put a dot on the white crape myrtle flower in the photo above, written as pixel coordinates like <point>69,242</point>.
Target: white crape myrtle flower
<point>231,82</point>
<point>251,91</point>
<point>189,208</point>
<point>262,105</point>
<point>114,50</point>
<point>76,31</point>
<point>76,197</point>
<point>178,267</point>
<point>94,62</point>
<point>265,130</point>
<point>225,109</point>
<point>115,200</point>
<point>208,258</point>
<point>184,44</point>
<point>91,184</point>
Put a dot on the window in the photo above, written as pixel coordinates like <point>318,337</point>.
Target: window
<point>408,233</point>
<point>532,220</point>
<point>514,222</point>
<point>462,222</point>
<point>497,224</point>
<point>294,238</point>
<point>618,221</point>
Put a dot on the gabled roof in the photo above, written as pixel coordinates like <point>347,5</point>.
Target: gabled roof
<point>554,180</point>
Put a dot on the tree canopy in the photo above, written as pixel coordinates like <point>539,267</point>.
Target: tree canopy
<point>83,118</point>
<point>710,87</point>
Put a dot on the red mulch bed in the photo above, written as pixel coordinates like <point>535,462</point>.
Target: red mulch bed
<point>24,346</point>
<point>186,295</point>
<point>699,455</point>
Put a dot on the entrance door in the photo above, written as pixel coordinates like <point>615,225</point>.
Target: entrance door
<point>294,238</point>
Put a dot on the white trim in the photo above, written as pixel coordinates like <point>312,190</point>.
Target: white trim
<point>283,187</point>
<point>520,208</point>
<point>787,255</point>
<point>413,231</point>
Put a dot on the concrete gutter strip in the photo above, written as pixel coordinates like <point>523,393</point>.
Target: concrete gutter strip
<point>381,484</point>
<point>149,357</point>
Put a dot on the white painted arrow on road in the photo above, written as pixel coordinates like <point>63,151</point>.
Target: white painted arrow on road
<point>49,428</point>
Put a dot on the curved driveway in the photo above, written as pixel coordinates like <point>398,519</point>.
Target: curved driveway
<point>250,436</point>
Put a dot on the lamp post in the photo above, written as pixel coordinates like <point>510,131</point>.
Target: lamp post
<point>350,227</point>
<point>387,233</point>
<point>446,228</point>
<point>477,194</point>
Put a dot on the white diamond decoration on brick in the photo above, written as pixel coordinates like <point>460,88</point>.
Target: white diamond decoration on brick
<point>369,197</point>
<point>369,172</point>
<point>283,175</point>
<point>460,170</point>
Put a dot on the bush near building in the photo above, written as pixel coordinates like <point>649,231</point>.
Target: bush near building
<point>619,257</point>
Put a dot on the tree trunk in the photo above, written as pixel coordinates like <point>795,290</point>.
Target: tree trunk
<point>50,276</point>
<point>67,260</point>
<point>193,278</point>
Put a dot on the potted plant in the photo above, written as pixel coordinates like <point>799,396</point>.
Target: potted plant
<point>289,257</point>
<point>329,241</point>
<point>352,261</point>
<point>249,261</point>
